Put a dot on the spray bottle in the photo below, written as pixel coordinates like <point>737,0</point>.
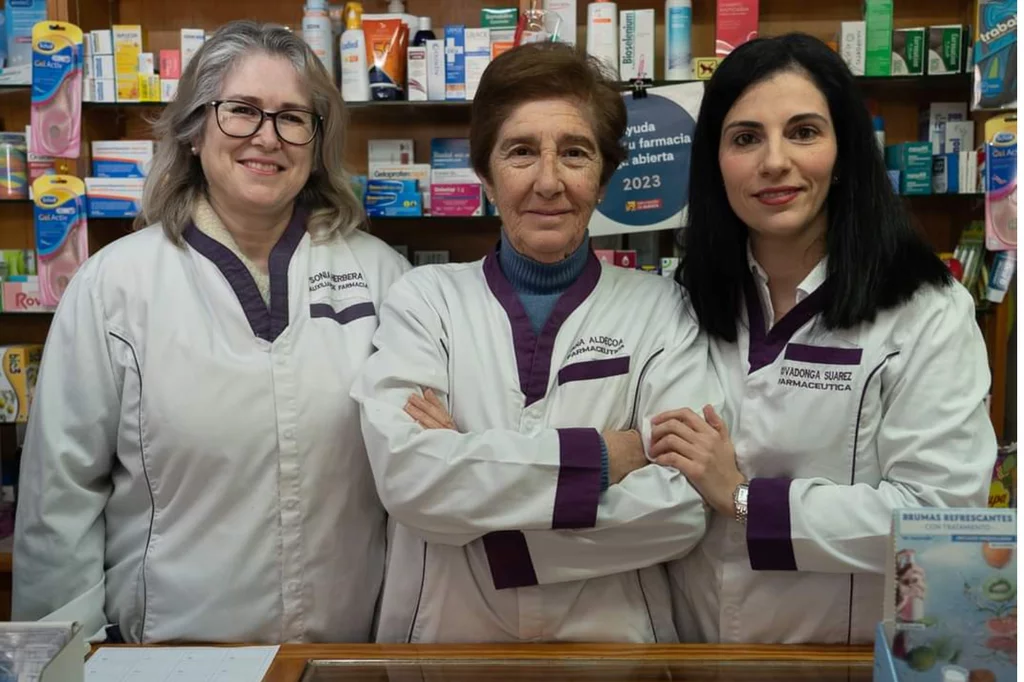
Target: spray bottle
<point>316,31</point>
<point>355,74</point>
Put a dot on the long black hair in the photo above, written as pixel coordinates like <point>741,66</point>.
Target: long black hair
<point>876,260</point>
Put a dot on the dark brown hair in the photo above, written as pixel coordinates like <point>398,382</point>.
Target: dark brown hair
<point>540,71</point>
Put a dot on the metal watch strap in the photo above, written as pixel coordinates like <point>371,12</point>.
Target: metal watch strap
<point>739,501</point>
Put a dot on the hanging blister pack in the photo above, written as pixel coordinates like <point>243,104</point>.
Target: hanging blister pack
<point>56,89</point>
<point>995,55</point>
<point>62,239</point>
<point>1001,183</point>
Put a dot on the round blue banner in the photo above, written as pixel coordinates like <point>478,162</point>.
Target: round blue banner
<point>652,185</point>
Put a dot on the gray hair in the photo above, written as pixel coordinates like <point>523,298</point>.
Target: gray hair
<point>176,179</point>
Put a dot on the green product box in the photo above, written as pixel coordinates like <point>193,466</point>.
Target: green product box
<point>945,49</point>
<point>914,162</point>
<point>499,17</point>
<point>878,37</point>
<point>908,52</point>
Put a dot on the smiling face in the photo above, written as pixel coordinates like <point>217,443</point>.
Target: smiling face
<point>545,178</point>
<point>259,173</point>
<point>777,153</point>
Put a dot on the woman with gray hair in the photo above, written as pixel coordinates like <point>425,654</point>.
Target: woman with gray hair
<point>193,468</point>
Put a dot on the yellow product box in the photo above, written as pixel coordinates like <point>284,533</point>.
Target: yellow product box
<point>149,88</point>
<point>19,367</point>
<point>127,48</point>
<point>128,88</point>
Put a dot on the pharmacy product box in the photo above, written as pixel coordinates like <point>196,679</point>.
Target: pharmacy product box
<point>914,162</point>
<point>669,266</point>
<point>501,21</point>
<point>191,40</point>
<point>436,83</point>
<point>102,90</point>
<point>636,44</point>
<point>147,65</point>
<point>390,153</point>
<point>605,255</point>
<point>959,136</point>
<point>416,74</point>
<point>951,603</point>
<point>455,62</point>
<point>168,89</point>
<point>932,120</point>
<point>21,294</point>
<point>1002,493</point>
<point>127,48</point>
<point>102,66</point>
<point>451,200</point>
<point>19,18</point>
<point>14,262</point>
<point>735,23</point>
<point>128,88</point>
<point>114,197</point>
<point>946,174</point>
<point>908,52</point>
<point>121,158</point>
<point>566,11</point>
<point>19,367</point>
<point>101,41</point>
<point>401,186</point>
<point>625,259</point>
<point>420,172</point>
<point>393,205</point>
<point>878,37</point>
<point>477,57</point>
<point>170,64</point>
<point>450,152</point>
<point>851,46</point>
<point>149,88</point>
<point>945,45</point>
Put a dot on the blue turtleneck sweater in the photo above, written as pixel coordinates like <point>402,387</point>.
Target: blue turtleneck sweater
<point>539,286</point>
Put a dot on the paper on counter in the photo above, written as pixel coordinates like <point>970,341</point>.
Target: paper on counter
<point>178,664</point>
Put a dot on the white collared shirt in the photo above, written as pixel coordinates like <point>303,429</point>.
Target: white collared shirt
<point>814,279</point>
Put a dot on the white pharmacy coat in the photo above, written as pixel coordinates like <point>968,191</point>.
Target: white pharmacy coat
<point>836,429</point>
<point>502,534</point>
<point>193,467</point>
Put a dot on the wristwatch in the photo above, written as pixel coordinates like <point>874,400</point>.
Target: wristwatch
<point>739,501</point>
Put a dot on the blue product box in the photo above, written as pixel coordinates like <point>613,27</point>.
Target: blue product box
<point>392,205</point>
<point>449,152</point>
<point>392,187</point>
<point>455,62</point>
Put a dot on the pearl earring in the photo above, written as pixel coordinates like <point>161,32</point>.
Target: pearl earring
<point>194,150</point>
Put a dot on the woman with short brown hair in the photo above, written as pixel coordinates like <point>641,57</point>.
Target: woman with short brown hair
<point>517,478</point>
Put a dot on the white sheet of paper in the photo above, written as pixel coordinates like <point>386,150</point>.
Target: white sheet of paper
<point>180,664</point>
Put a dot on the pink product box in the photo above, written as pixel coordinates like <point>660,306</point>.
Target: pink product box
<point>23,296</point>
<point>452,200</point>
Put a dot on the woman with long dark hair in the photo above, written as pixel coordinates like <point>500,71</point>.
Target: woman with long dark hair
<point>854,370</point>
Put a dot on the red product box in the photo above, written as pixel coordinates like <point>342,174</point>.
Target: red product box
<point>626,259</point>
<point>605,255</point>
<point>170,64</point>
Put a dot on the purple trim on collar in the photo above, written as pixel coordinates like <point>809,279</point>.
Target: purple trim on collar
<point>823,355</point>
<point>265,323</point>
<point>578,490</point>
<point>345,315</point>
<point>508,556</point>
<point>533,353</point>
<point>765,347</point>
<point>769,532</point>
<point>238,277</point>
<point>277,264</point>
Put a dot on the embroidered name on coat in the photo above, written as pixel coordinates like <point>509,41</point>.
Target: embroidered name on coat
<point>602,345</point>
<point>335,282</point>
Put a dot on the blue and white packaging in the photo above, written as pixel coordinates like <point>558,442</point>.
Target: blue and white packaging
<point>20,17</point>
<point>114,197</point>
<point>397,186</point>
<point>436,83</point>
<point>946,174</point>
<point>393,205</point>
<point>121,158</point>
<point>455,62</point>
<point>449,152</point>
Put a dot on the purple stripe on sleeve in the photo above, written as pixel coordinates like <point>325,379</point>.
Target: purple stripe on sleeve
<point>823,355</point>
<point>579,479</point>
<point>345,315</point>
<point>769,533</point>
<point>593,369</point>
<point>509,558</point>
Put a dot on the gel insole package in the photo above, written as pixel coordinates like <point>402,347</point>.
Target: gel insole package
<point>995,55</point>
<point>62,239</point>
<point>1001,183</point>
<point>56,89</point>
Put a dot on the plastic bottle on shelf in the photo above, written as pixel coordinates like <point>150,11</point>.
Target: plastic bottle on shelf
<point>603,34</point>
<point>424,33</point>
<point>396,7</point>
<point>878,123</point>
<point>316,31</point>
<point>355,74</point>
<point>678,50</point>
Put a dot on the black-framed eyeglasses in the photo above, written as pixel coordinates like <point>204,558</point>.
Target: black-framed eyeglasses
<point>243,119</point>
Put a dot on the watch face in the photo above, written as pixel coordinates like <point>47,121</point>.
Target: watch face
<point>741,495</point>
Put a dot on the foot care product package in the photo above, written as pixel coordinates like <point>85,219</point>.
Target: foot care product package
<point>62,239</point>
<point>56,118</point>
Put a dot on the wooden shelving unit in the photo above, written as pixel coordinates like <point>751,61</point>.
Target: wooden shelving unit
<point>898,100</point>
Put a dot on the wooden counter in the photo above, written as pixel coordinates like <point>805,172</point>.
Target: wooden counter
<point>570,662</point>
